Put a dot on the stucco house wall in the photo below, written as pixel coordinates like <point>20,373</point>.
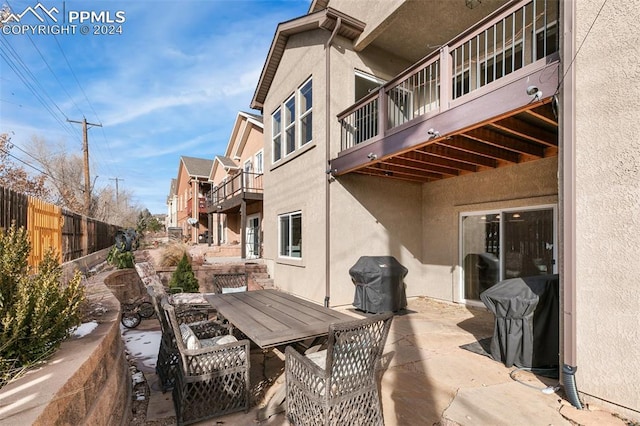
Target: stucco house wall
<point>252,145</point>
<point>372,216</point>
<point>296,182</point>
<point>607,192</point>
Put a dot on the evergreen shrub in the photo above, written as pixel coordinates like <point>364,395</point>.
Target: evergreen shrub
<point>183,279</point>
<point>37,312</point>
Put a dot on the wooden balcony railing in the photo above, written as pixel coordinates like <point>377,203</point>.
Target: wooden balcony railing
<point>511,39</point>
<point>202,206</point>
<point>237,186</point>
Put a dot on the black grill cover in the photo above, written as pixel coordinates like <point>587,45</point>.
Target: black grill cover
<point>379,282</point>
<point>526,332</point>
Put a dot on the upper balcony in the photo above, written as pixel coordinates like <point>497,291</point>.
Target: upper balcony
<point>202,206</point>
<point>484,100</point>
<point>228,196</point>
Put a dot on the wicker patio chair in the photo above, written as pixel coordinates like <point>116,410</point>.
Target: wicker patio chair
<point>229,283</point>
<point>212,379</point>
<point>167,363</point>
<point>338,386</point>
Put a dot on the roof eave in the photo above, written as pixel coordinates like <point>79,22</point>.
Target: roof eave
<point>350,28</point>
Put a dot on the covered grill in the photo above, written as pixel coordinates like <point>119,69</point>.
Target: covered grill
<point>379,282</point>
<point>526,332</point>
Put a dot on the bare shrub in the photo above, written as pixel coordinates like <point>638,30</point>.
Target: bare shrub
<point>172,253</point>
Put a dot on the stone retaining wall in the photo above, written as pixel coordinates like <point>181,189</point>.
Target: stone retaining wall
<point>86,381</point>
<point>205,273</point>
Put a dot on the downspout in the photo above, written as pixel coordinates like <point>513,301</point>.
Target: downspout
<point>568,177</point>
<point>327,130</point>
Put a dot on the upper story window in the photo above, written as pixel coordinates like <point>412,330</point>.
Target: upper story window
<point>248,173</point>
<point>292,122</point>
<point>290,125</point>
<point>259,162</point>
<point>277,135</point>
<point>306,102</point>
<point>248,166</point>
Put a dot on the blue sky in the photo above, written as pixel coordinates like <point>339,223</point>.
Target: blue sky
<point>171,84</point>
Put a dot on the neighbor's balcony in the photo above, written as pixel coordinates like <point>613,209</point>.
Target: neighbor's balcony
<point>230,193</point>
<point>484,58</point>
<point>202,206</point>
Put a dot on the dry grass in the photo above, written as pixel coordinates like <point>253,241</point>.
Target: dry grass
<point>172,253</point>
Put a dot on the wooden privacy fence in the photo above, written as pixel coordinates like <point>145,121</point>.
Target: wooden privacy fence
<point>70,234</point>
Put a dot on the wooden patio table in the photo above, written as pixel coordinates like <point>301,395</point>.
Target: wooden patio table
<point>272,318</point>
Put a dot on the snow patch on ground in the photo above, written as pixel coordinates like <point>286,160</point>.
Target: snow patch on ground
<point>142,345</point>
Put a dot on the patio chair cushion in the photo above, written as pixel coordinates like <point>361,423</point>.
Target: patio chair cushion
<point>318,358</point>
<point>234,289</point>
<point>220,340</point>
<point>191,341</point>
<point>189,338</point>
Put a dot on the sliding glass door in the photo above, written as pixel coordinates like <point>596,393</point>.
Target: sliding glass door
<point>502,244</point>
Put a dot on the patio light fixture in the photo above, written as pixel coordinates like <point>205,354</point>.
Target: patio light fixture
<point>534,92</point>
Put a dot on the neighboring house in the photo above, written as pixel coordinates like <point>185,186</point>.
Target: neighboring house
<point>172,205</point>
<point>474,141</point>
<point>192,184</point>
<point>235,201</point>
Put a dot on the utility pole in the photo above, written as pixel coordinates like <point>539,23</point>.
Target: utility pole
<point>85,150</point>
<point>116,179</point>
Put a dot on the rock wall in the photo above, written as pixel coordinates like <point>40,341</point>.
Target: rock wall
<point>85,382</point>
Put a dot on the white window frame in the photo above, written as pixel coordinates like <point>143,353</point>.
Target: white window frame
<point>290,245</point>
<point>294,126</point>
<point>304,114</point>
<point>276,135</point>
<point>259,162</point>
<point>247,168</point>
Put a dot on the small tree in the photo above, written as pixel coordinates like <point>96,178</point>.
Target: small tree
<point>36,311</point>
<point>121,259</point>
<point>183,277</point>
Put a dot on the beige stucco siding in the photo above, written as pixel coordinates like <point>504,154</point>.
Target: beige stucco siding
<point>296,183</point>
<point>419,224</point>
<point>373,216</point>
<point>607,99</point>
<point>299,182</point>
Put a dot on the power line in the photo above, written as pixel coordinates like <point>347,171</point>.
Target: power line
<point>117,192</point>
<point>32,89</point>
<point>580,47</point>
<point>75,77</point>
<point>53,72</point>
<point>73,73</point>
<point>50,176</point>
<point>24,66</point>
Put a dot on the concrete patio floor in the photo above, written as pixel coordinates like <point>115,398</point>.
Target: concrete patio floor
<point>427,379</point>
